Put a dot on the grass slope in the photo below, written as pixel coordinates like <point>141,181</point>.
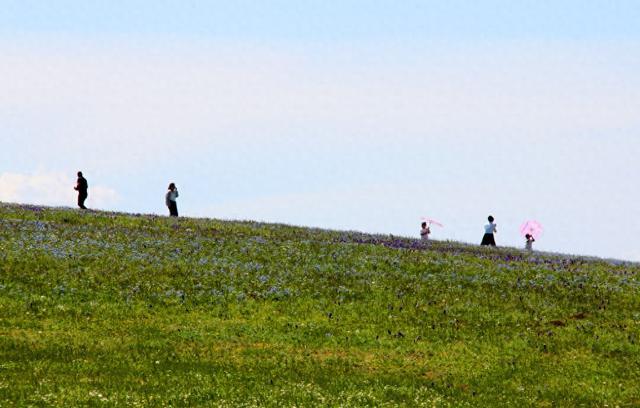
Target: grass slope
<point>111,309</point>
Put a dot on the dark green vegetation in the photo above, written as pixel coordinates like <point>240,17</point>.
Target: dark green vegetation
<point>104,309</point>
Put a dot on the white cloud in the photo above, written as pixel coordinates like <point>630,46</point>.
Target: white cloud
<point>51,189</point>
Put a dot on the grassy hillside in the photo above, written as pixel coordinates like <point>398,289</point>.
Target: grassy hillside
<point>111,309</point>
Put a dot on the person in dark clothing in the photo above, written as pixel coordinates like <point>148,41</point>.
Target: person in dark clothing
<point>170,200</point>
<point>82,187</point>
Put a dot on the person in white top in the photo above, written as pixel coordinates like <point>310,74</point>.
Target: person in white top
<point>530,240</point>
<point>170,200</point>
<point>489,230</point>
<point>424,232</point>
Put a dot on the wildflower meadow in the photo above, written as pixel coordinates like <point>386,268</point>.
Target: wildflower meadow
<point>111,309</point>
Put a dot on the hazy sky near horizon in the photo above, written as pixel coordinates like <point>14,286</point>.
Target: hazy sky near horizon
<point>360,115</point>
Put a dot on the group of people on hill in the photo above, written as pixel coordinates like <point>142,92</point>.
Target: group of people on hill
<point>487,239</point>
<point>82,187</point>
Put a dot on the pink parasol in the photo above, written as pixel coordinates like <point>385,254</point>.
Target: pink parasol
<point>429,221</point>
<point>534,228</point>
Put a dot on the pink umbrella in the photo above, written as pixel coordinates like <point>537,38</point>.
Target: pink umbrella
<point>534,228</point>
<point>429,221</point>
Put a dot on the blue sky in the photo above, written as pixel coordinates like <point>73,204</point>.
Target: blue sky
<point>348,115</point>
<point>365,20</point>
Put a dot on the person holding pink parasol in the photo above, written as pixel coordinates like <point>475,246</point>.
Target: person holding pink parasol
<point>426,228</point>
<point>531,230</point>
<point>424,232</point>
<point>529,243</point>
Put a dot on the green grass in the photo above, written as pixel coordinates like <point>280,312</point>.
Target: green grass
<point>105,309</point>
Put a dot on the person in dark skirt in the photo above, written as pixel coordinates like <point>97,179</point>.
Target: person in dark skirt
<point>82,187</point>
<point>489,230</point>
<point>170,200</point>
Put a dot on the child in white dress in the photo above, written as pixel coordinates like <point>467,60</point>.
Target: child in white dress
<point>424,232</point>
<point>530,240</point>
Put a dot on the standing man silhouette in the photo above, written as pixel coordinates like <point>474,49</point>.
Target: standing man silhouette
<point>82,187</point>
<point>170,199</point>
